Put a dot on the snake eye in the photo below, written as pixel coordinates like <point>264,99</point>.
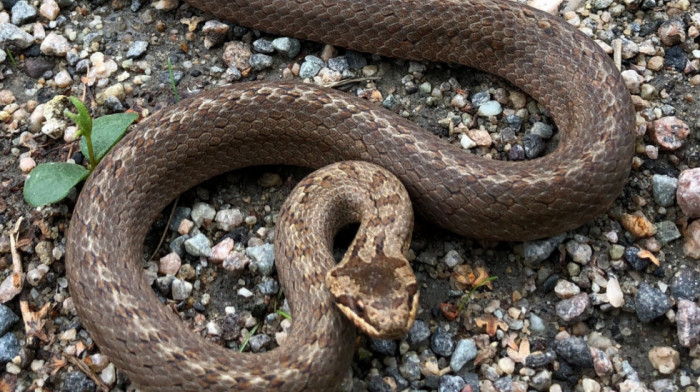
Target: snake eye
<point>359,307</point>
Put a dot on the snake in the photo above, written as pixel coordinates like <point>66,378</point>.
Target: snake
<point>280,122</point>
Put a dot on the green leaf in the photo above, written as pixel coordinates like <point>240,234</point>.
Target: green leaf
<point>83,118</point>
<point>51,182</point>
<point>107,130</point>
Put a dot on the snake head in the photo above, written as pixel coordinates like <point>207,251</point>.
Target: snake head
<point>379,296</point>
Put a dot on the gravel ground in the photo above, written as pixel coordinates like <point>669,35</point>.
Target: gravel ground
<point>609,306</point>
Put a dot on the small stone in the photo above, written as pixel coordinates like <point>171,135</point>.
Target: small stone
<point>12,37</point>
<point>450,383</point>
<point>169,264</point>
<point>638,225</point>
<point>633,80</point>
<point>260,61</point>
<point>49,9</point>
<point>229,219</point>
<point>9,347</point>
<point>650,303</point>
<point>383,346</point>
<point>109,374</point>
<point>580,253</point>
<point>259,342</point>
<point>538,251</point>
<point>685,284</point>
<point>672,32</point>
<point>545,131</point>
<point>590,385</point>
<point>390,102</point>
<point>565,289</point>
<point>666,231</point>
<point>199,245</point>
<point>215,33</point>
<point>688,321</point>
<point>78,382</point>
<point>7,319</point>
<point>441,343</point>
<point>506,365</point>
<point>221,250</point>
<point>310,67</point>
<point>601,363</point>
<point>453,258</point>
<point>533,144</point>
<point>574,351</point>
<point>540,359</point>
<point>574,309</point>
<point>616,252</point>
<point>26,164</point>
<point>202,214</point>
<point>656,63</point>
<point>542,381</point>
<point>614,293</point>
<point>489,108</point>
<point>236,262</point>
<point>137,49</point>
<point>516,153</point>
<point>55,45</point>
<point>263,257</point>
<point>23,13</point>
<point>237,54</point>
<point>664,359</point>
<point>537,325</point>
<point>632,257</point>
<point>181,289</point>
<point>466,142</point>
<point>688,193</point>
<point>186,226</point>
<point>669,133</point>
<point>419,333</point>
<point>410,368</point>
<point>287,46</point>
<point>263,45</point>
<point>464,352</point>
<point>691,245</point>
<point>339,64</point>
<point>664,188</point>
<point>179,214</point>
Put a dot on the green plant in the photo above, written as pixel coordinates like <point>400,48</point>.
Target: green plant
<point>12,59</point>
<point>172,81</point>
<point>247,338</point>
<point>471,292</point>
<point>50,182</point>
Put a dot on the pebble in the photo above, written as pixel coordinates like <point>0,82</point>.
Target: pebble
<point>263,257</point>
<point>539,251</point>
<point>632,257</point>
<point>638,225</point>
<point>542,381</point>
<point>685,284</point>
<point>410,368</point>
<point>691,246</point>
<point>383,346</point>
<point>310,67</point>
<point>590,385</point>
<point>180,289</point>
<point>244,292</point>
<point>464,352</point>
<point>236,54</point>
<point>259,342</point>
<point>235,261</point>
<point>666,231</point>
<point>419,334</point>
<point>263,45</point>
<point>199,245</point>
<point>672,32</point>
<point>268,286</point>
<point>537,325</point>
<point>137,49</point>
<point>688,193</point>
<point>565,289</point>
<point>669,133</point>
<point>516,153</point>
<point>453,258</point>
<point>441,343</point>
<point>179,214</point>
<point>601,363</point>
<point>664,188</point>
<point>49,9</point>
<point>574,351</point>
<point>339,64</point>
<point>260,61</point>
<point>533,144</point>
<point>289,47</point>
<point>688,321</point>
<point>215,33</point>
<point>221,251</point>
<point>9,347</point>
<point>78,382</point>
<point>574,309</point>
<point>7,319</point>
<point>229,219</point>
<point>580,253</point>
<point>55,45</point>
<point>169,264</point>
<point>202,214</point>
<point>664,359</point>
<point>545,131</point>
<point>490,108</point>
<point>13,37</point>
<point>466,142</point>
<point>23,13</point>
<point>450,383</point>
<point>614,293</point>
<point>633,80</point>
<point>650,303</point>
<point>664,385</point>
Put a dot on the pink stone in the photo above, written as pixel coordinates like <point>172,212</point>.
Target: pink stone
<point>169,264</point>
<point>688,193</point>
<point>669,132</point>
<point>221,250</point>
<point>691,246</point>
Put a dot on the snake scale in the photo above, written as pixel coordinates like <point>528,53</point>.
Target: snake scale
<point>286,123</point>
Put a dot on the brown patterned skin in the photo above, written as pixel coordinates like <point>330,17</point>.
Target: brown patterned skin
<point>285,123</point>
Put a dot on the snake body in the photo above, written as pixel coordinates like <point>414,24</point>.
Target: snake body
<point>285,123</point>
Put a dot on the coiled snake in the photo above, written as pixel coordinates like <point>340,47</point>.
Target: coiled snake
<point>283,123</point>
